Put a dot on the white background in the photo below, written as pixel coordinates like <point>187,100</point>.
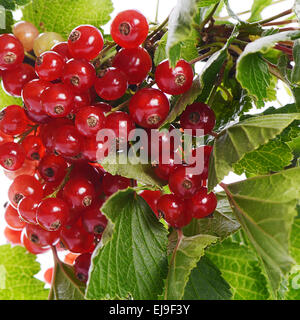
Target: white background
<point>148,8</point>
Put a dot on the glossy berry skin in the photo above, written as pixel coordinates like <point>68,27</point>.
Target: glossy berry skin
<point>12,156</point>
<point>135,63</point>
<point>174,81</point>
<point>41,237</point>
<point>26,32</point>
<point>89,120</point>
<point>149,107</point>
<point>112,85</point>
<point>12,52</point>
<point>198,116</point>
<point>28,167</point>
<point>52,214</point>
<point>31,95</point>
<point>112,184</point>
<point>67,141</point>
<point>94,150</point>
<point>104,107</point>
<point>33,147</point>
<point>151,197</point>
<point>53,168</point>
<point>30,246</point>
<point>13,236</point>
<point>85,41</point>
<point>93,219</point>
<point>81,266</point>
<point>76,239</point>
<point>24,186</point>
<point>202,204</point>
<point>48,275</point>
<point>164,170</point>
<point>79,74</point>
<point>129,29</point>
<point>27,209</point>
<point>13,120</point>
<point>63,49</point>
<point>12,218</point>
<point>201,154</point>
<point>14,80</point>
<point>79,193</point>
<point>45,41</point>
<point>57,100</point>
<point>81,100</point>
<point>172,209</point>
<point>5,138</point>
<point>184,184</point>
<point>49,66</point>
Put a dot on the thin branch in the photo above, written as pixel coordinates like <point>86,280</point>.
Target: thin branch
<point>277,16</point>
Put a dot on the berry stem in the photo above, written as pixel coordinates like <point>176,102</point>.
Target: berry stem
<point>30,56</point>
<point>279,15</point>
<point>22,136</point>
<point>209,16</point>
<point>280,23</point>
<point>203,56</point>
<point>160,27</point>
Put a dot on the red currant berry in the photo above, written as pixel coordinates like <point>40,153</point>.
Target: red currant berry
<point>28,167</point>
<point>202,204</point>
<point>12,52</point>
<point>41,237</point>
<point>112,184</point>
<point>27,209</point>
<point>129,29</point>
<point>12,156</point>
<point>5,138</point>
<point>49,66</point>
<point>135,63</point>
<point>13,120</point>
<point>14,80</point>
<point>31,95</point>
<point>24,186</point>
<point>79,74</point>
<point>62,49</point>
<point>201,154</point>
<point>184,184</point>
<point>52,214</point>
<point>93,220</point>
<point>81,266</point>
<point>30,246</point>
<point>57,100</point>
<point>198,116</point>
<point>163,170</point>
<point>48,274</point>
<point>85,42</point>
<point>26,32</point>
<point>79,193</point>
<point>112,85</point>
<point>13,236</point>
<point>174,81</point>
<point>81,100</point>
<point>151,197</point>
<point>172,209</point>
<point>89,120</point>
<point>33,147</point>
<point>104,107</point>
<point>149,107</point>
<point>92,149</point>
<point>53,168</point>
<point>12,218</point>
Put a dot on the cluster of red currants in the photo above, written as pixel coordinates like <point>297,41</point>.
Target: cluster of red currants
<point>48,147</point>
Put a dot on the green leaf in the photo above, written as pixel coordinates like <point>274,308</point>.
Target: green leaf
<point>265,207</point>
<point>63,16</point>
<point>65,284</point>
<point>240,268</point>
<point>184,258</point>
<point>17,270</point>
<point>234,142</point>
<point>221,223</point>
<point>273,156</point>
<point>133,261</point>
<point>6,21</point>
<point>6,100</point>
<point>257,7</point>
<point>206,283</point>
<point>295,75</point>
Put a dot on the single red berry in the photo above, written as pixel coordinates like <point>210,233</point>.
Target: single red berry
<point>135,63</point>
<point>202,204</point>
<point>33,147</point>
<point>149,107</point>
<point>151,197</point>
<point>79,74</point>
<point>93,219</point>
<point>81,266</point>
<point>85,42</point>
<point>12,52</point>
<point>174,81</point>
<point>172,209</point>
<point>201,154</point>
<point>63,49</point>
<point>27,209</point>
<point>37,118</point>
<point>14,80</point>
<point>112,184</point>
<point>89,120</point>
<point>198,116</point>
<point>129,28</point>
<point>48,274</point>
<point>30,246</point>
<point>24,186</point>
<point>13,120</point>
<point>183,183</point>
<point>53,168</point>
<point>13,236</point>
<point>12,156</point>
<point>112,85</point>
<point>57,100</point>
<point>12,218</point>
<point>41,237</point>
<point>49,66</point>
<point>52,214</point>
